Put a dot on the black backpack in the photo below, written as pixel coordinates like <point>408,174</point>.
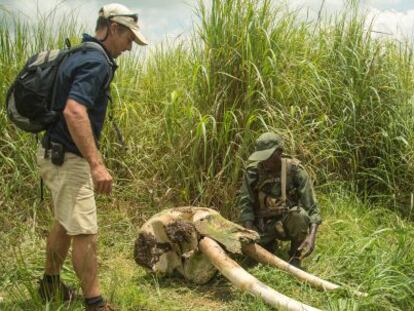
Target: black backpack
<point>30,99</point>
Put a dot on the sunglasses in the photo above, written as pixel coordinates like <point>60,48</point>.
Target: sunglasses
<point>133,16</point>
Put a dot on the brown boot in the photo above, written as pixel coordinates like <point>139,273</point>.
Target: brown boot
<point>55,290</point>
<point>100,307</point>
<point>294,254</point>
<point>296,262</point>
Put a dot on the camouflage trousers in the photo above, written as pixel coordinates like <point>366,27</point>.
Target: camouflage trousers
<point>291,226</point>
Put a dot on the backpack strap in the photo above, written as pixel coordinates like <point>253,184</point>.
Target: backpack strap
<point>118,132</point>
<point>96,46</point>
<point>283,178</point>
<point>83,47</point>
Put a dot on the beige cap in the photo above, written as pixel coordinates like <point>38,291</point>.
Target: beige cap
<point>122,15</point>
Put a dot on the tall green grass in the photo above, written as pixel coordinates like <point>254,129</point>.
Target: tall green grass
<point>190,113</point>
<point>19,40</point>
<point>340,97</point>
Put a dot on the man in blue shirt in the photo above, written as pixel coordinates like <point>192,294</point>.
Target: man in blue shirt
<point>69,160</point>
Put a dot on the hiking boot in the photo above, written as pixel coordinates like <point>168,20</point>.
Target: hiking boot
<point>55,290</point>
<point>272,246</point>
<point>296,262</point>
<point>100,307</point>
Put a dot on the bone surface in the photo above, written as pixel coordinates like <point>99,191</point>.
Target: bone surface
<point>168,242</point>
<point>194,242</point>
<point>261,255</point>
<point>245,281</point>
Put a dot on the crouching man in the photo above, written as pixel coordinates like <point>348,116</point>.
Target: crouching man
<point>277,199</point>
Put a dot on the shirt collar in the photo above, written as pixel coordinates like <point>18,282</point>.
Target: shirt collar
<point>88,38</point>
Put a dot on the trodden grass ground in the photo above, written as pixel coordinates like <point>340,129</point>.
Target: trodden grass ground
<point>366,248</point>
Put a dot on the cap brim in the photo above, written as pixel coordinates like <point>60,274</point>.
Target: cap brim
<point>139,38</point>
<point>262,155</point>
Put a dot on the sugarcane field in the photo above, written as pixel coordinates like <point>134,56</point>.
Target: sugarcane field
<point>202,155</point>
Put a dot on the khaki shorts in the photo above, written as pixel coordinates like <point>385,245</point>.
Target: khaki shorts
<point>72,191</point>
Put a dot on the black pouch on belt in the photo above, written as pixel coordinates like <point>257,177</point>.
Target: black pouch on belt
<point>57,153</point>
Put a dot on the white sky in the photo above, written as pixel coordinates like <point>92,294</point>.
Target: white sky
<point>395,17</point>
<point>160,19</point>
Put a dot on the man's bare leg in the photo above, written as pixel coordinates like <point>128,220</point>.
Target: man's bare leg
<point>85,263</point>
<point>58,243</point>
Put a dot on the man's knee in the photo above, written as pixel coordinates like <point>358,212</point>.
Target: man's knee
<point>82,240</point>
<point>57,234</point>
<point>297,224</point>
<point>58,228</point>
<point>85,237</point>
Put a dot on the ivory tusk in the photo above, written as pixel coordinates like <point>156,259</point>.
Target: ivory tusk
<point>261,255</point>
<point>245,281</point>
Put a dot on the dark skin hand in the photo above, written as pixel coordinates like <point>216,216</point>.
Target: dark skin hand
<point>308,245</point>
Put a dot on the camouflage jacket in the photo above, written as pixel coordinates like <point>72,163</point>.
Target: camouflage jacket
<point>299,190</point>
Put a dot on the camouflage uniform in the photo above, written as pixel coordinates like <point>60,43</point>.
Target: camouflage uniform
<point>260,198</point>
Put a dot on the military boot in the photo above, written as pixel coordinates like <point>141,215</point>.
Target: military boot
<point>272,246</point>
<point>296,262</point>
<point>50,290</point>
<point>294,254</point>
<point>100,307</point>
